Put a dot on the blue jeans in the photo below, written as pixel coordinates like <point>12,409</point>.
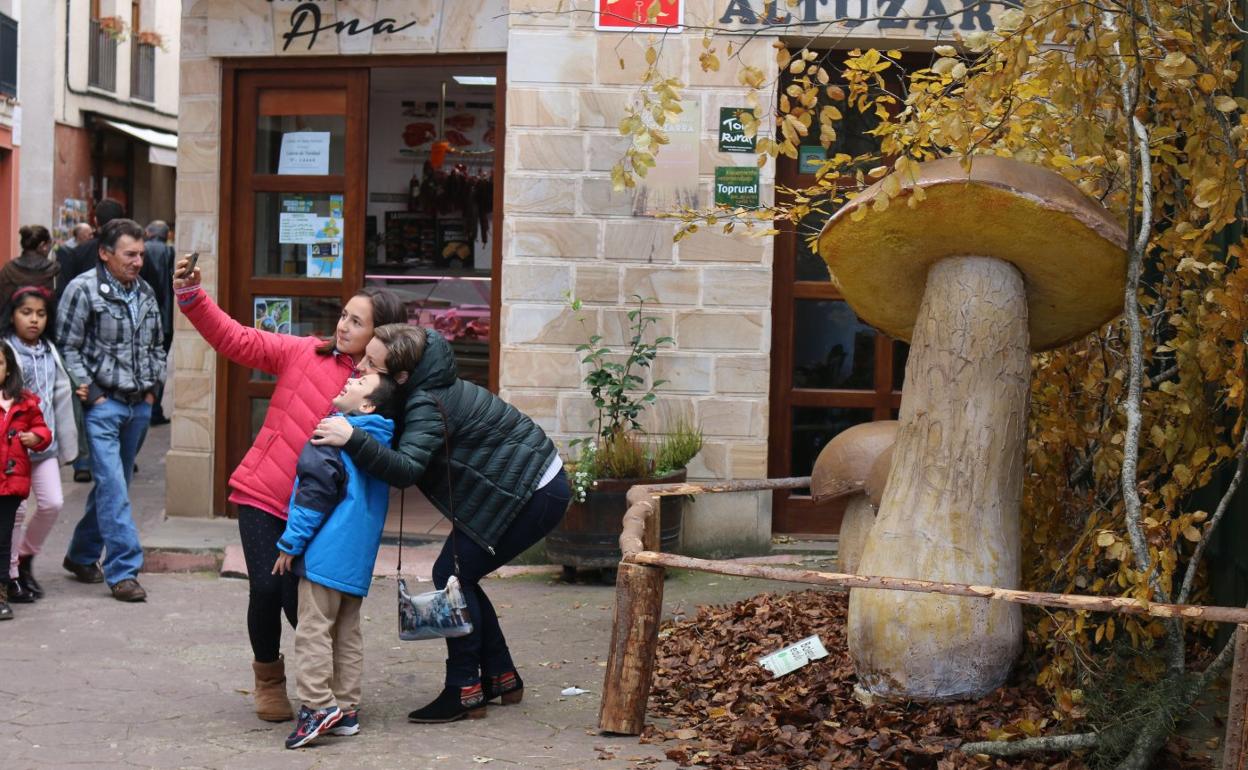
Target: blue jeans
<point>484,651</point>
<point>114,431</point>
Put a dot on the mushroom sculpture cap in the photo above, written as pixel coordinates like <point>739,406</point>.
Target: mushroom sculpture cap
<point>877,478</point>
<point>1071,252</point>
<point>843,464</point>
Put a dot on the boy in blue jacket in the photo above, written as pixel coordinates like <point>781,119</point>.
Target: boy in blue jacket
<point>336,517</point>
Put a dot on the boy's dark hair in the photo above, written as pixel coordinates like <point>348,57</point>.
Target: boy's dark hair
<point>116,228</point>
<point>11,304</point>
<point>383,398</point>
<point>12,385</point>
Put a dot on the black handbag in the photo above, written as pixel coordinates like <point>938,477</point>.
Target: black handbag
<point>434,614</point>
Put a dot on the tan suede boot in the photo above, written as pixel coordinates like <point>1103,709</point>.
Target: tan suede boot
<point>272,705</point>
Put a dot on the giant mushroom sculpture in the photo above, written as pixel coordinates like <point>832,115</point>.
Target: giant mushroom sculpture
<point>996,261</point>
<point>841,470</point>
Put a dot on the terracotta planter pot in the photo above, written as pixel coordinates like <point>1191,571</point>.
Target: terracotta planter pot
<point>589,535</point>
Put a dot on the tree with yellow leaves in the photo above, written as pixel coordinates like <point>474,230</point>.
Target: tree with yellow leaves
<point>1135,102</point>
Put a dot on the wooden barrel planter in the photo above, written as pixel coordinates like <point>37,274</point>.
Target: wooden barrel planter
<point>589,535</point>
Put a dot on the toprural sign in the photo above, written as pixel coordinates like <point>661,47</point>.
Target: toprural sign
<point>863,18</point>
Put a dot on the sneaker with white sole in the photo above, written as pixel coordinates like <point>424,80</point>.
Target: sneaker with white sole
<point>348,725</point>
<point>312,725</point>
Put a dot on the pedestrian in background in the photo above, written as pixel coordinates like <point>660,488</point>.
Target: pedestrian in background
<point>83,258</point>
<point>158,272</point>
<point>34,267</point>
<point>109,330</point>
<point>21,429</point>
<point>26,325</point>
<point>81,233</point>
<point>86,255</point>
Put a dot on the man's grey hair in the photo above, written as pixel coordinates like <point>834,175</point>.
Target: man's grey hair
<point>82,232</point>
<point>158,230</point>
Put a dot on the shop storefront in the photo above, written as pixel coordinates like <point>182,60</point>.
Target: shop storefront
<point>309,166</point>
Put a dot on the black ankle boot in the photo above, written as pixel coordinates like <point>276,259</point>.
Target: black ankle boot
<point>18,594</point>
<point>6,612</point>
<point>454,703</point>
<point>26,578</point>
<point>508,686</point>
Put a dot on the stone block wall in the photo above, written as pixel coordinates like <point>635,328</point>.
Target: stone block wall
<point>566,231</point>
<point>188,487</point>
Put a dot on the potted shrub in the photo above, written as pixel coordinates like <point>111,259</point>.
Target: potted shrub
<point>619,454</point>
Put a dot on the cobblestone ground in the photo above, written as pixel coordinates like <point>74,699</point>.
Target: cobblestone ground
<point>87,681</point>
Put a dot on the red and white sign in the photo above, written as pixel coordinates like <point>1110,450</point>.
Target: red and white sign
<point>627,15</point>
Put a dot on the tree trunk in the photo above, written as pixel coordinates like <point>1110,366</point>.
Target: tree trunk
<point>855,526</point>
<point>950,507</point>
<point>634,642</point>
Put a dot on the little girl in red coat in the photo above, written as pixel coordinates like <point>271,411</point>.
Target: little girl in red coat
<point>21,429</point>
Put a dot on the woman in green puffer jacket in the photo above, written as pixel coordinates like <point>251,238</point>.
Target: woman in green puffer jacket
<point>502,484</point>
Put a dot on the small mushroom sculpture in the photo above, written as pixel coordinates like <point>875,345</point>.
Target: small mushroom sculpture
<point>841,470</point>
<point>996,261</point>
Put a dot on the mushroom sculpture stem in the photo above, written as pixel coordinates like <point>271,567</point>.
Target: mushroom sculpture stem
<point>1001,257</point>
<point>953,492</point>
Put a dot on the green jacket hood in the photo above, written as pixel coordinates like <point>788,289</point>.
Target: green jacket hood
<point>437,366</point>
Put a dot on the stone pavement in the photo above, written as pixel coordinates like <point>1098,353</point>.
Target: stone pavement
<point>87,681</point>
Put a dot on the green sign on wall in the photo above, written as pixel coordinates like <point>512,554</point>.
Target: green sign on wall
<point>736,186</point>
<point>732,136</point>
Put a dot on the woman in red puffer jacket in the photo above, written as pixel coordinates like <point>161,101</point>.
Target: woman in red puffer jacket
<point>22,429</point>
<point>310,372</point>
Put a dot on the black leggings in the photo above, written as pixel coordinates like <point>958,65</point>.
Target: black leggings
<point>8,517</point>
<point>270,594</point>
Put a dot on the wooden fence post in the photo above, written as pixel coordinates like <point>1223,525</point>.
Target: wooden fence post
<point>1236,748</point>
<point>634,642</point>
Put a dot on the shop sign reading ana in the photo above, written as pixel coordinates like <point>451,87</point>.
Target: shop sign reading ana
<point>883,18</point>
<point>630,15</point>
<point>307,21</point>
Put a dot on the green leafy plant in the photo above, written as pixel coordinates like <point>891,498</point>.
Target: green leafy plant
<point>617,386</point>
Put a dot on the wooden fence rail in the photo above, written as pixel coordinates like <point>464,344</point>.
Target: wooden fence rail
<point>639,604</point>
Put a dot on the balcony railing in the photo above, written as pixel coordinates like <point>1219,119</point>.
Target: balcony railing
<point>143,72</point>
<point>102,68</point>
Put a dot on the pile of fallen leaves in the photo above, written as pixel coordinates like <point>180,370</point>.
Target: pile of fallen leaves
<point>728,712</point>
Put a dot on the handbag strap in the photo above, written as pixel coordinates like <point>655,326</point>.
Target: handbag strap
<point>450,491</point>
<point>450,494</point>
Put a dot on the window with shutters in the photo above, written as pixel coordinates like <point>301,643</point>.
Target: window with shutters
<point>8,56</point>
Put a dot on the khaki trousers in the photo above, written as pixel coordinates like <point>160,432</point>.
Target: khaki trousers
<point>329,648</point>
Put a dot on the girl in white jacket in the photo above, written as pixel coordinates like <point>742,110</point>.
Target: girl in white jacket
<point>26,325</point>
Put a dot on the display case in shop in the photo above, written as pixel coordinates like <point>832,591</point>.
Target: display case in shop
<point>456,304</point>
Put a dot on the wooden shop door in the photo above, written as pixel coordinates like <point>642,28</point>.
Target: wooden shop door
<point>292,228</point>
<point>829,371</point>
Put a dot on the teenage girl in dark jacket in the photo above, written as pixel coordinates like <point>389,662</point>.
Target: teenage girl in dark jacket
<point>506,489</point>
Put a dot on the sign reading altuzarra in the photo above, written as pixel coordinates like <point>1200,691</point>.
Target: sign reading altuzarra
<point>907,18</point>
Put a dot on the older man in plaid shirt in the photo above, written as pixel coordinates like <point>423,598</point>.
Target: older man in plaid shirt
<point>110,334</point>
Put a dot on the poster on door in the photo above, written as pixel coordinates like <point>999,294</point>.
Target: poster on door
<point>630,15</point>
<point>271,314</point>
<point>318,235</point>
